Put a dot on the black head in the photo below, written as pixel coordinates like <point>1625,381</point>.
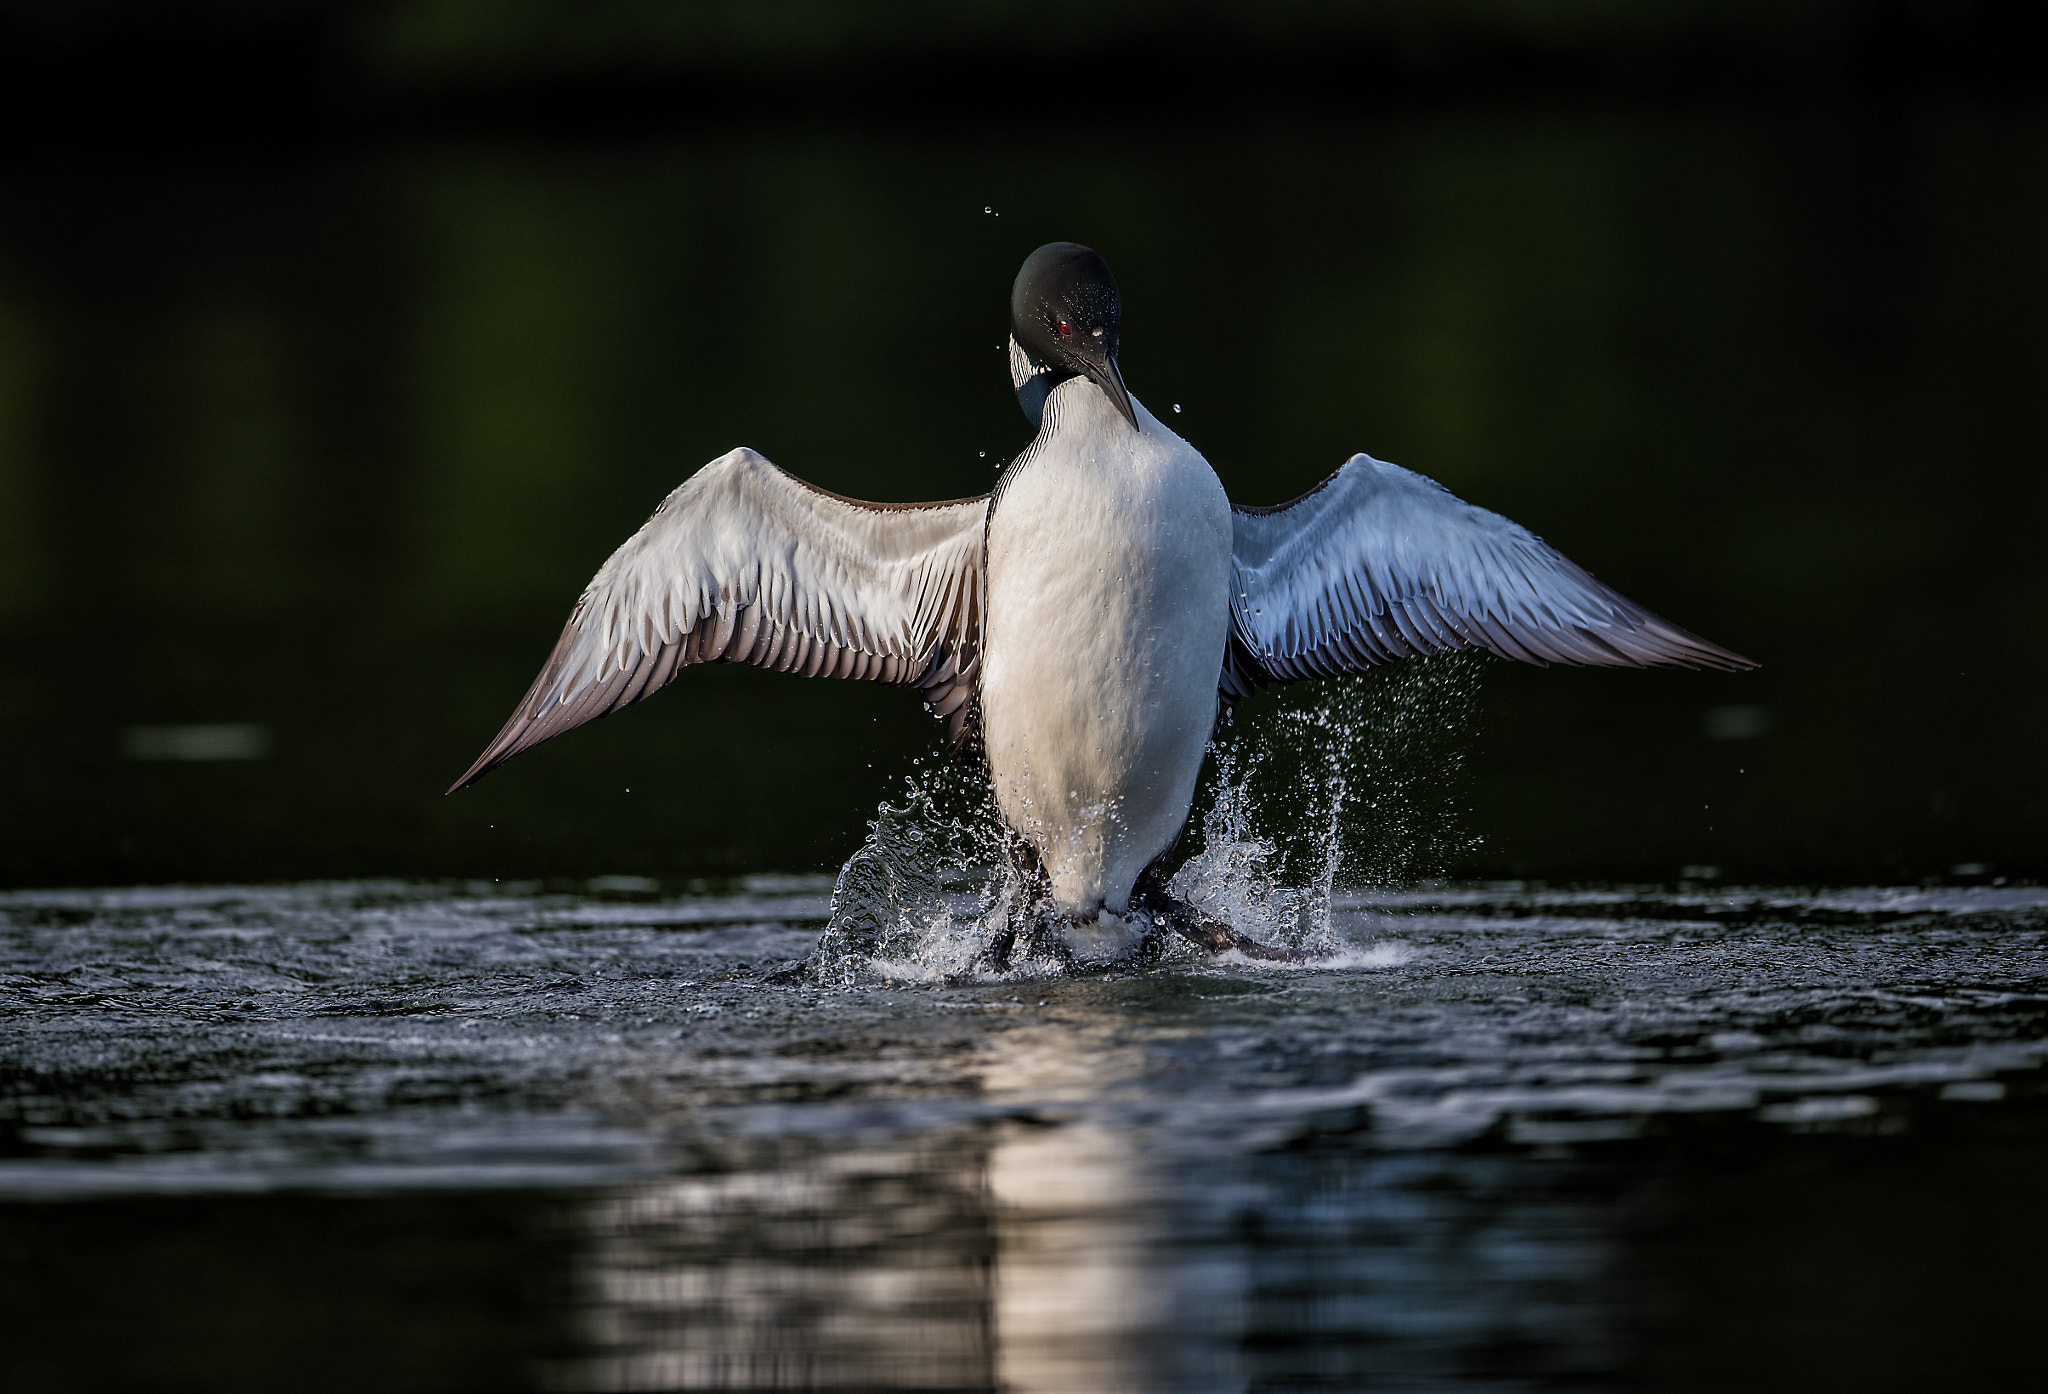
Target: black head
<point>1065,315</point>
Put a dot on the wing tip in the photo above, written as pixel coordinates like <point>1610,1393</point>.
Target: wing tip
<point>495,754</point>
<point>517,737</point>
<point>1700,657</point>
<point>469,777</point>
<point>1689,649</point>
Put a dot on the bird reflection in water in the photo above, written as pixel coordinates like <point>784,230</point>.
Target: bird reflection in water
<point>821,1267</point>
<point>1050,1258</point>
<point>1024,1255</point>
<point>1067,1246</point>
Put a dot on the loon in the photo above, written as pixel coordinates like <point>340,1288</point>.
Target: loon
<point>1085,625</point>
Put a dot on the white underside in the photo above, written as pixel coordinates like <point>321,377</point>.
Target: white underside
<point>1108,608</point>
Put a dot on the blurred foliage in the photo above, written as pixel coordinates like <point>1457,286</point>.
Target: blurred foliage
<point>243,71</point>
<point>480,35</point>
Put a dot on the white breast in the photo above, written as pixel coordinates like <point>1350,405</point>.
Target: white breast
<point>1108,609</point>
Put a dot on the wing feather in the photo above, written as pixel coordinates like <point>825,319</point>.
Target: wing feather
<point>1378,563</point>
<point>745,563</point>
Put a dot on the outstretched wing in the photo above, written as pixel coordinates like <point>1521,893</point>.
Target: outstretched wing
<point>1378,563</point>
<point>745,563</point>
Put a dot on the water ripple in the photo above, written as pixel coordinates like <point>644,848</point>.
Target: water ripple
<point>384,1034</point>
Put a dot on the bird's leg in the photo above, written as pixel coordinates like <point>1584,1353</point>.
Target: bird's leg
<point>1031,927</point>
<point>1151,897</point>
<point>996,957</point>
<point>1042,939</point>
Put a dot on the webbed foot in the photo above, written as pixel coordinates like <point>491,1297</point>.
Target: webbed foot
<point>1202,930</point>
<point>1015,944</point>
<point>1031,925</point>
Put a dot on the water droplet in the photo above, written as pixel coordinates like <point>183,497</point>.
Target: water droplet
<point>1176,408</point>
<point>982,453</point>
<point>986,209</point>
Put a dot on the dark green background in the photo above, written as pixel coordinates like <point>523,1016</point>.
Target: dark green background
<point>339,344</point>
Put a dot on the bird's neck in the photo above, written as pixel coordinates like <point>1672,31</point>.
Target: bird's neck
<point>1034,382</point>
<point>1074,406</point>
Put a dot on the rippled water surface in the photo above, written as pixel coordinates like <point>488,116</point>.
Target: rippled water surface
<point>437,1136</point>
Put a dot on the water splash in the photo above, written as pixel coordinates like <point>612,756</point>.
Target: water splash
<point>1336,785</point>
<point>1346,784</point>
<point>1236,874</point>
<point>922,897</point>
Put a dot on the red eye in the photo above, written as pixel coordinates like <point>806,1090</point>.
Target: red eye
<point>1066,328</point>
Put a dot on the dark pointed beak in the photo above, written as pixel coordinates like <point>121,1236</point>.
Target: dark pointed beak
<point>1105,376</point>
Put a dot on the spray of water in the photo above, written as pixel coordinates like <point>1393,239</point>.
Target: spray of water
<point>1343,784</point>
<point>1337,784</point>
<point>911,902</point>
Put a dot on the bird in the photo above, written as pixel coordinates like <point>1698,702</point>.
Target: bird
<point>1083,627</point>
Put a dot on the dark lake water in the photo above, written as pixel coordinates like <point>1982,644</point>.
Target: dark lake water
<point>367,1135</point>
